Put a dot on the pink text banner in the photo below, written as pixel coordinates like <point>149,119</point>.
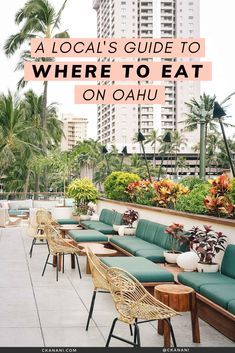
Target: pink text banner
<point>117,94</point>
<point>118,47</point>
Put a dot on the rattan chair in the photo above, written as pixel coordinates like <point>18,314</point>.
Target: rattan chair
<point>36,230</point>
<point>99,279</point>
<point>133,303</point>
<point>59,247</point>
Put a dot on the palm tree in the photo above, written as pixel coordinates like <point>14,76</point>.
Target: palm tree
<point>178,140</point>
<point>166,149</point>
<point>16,132</point>
<point>38,18</point>
<point>182,164</point>
<point>153,139</point>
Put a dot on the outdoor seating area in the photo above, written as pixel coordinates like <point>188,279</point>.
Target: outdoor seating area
<point>57,302</point>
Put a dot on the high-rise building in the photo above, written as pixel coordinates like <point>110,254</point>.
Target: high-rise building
<point>74,129</point>
<point>117,124</point>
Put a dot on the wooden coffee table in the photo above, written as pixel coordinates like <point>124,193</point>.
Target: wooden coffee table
<point>99,250</point>
<point>180,298</point>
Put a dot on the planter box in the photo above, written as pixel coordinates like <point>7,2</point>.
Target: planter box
<point>167,216</point>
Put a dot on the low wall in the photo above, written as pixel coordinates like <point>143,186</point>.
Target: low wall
<point>166,216</point>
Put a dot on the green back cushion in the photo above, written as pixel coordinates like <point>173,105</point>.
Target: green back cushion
<point>118,218</point>
<point>107,216</point>
<point>228,263</point>
<point>141,227</point>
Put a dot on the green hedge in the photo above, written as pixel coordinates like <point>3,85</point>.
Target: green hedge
<point>116,183</point>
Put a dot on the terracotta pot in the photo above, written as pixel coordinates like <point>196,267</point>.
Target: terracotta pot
<point>171,257</point>
<point>202,267</point>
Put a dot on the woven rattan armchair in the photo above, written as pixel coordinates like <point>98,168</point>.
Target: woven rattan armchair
<point>99,279</point>
<point>59,247</point>
<point>36,229</point>
<point>135,305</point>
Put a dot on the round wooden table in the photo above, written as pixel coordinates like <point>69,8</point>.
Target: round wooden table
<point>180,298</point>
<point>99,250</point>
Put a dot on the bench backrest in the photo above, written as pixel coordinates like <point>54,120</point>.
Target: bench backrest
<point>110,217</point>
<point>155,233</point>
<point>228,262</point>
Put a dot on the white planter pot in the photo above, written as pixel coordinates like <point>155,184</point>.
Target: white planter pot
<point>94,217</point>
<point>129,231</point>
<point>84,217</point>
<point>116,227</point>
<point>188,261</point>
<point>207,267</point>
<point>170,257</point>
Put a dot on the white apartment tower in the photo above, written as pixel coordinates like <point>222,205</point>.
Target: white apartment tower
<point>74,129</point>
<point>117,124</point>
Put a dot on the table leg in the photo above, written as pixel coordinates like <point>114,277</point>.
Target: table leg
<point>54,261</point>
<point>164,299</point>
<point>72,261</point>
<point>167,336</point>
<point>194,318</point>
<point>59,264</point>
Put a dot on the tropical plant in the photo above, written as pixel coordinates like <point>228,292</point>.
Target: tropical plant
<point>176,236</point>
<point>116,183</point>
<point>178,141</point>
<point>82,191</point>
<point>37,19</point>
<point>219,202</point>
<point>167,192</point>
<point>206,243</point>
<point>193,202</point>
<point>129,217</point>
<point>191,181</point>
<point>141,192</point>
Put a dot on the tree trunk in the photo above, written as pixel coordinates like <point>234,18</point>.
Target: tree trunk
<point>44,125</point>
<point>154,155</point>
<point>26,187</point>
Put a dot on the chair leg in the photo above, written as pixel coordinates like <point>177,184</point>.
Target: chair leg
<point>131,331</point>
<point>57,266</point>
<point>79,270</point>
<point>45,265</point>
<point>172,332</point>
<point>91,309</point>
<point>63,263</point>
<point>31,249</point>
<point>111,332</point>
<point>136,335</point>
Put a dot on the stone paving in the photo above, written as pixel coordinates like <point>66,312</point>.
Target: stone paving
<point>37,311</point>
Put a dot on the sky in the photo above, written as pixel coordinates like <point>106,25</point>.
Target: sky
<point>217,27</point>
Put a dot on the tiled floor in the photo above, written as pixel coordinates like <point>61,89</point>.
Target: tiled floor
<point>38,311</point>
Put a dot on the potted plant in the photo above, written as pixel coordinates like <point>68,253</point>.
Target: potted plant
<point>206,243</point>
<point>129,217</point>
<point>83,192</point>
<point>176,237</point>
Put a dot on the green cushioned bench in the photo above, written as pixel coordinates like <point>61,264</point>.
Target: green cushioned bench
<point>216,292</point>
<point>66,221</point>
<point>106,221</point>
<point>17,212</point>
<point>148,273</point>
<point>88,235</point>
<point>150,241</point>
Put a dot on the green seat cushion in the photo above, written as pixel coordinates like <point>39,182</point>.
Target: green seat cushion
<point>220,294</point>
<point>228,263</point>
<point>231,306</point>
<point>198,279</point>
<point>142,269</point>
<point>99,226</point>
<point>17,212</point>
<point>132,243</point>
<point>67,221</point>
<point>87,236</point>
<point>152,255</point>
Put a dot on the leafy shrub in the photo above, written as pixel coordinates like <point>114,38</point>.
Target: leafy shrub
<point>190,182</point>
<point>232,192</point>
<point>141,192</point>
<point>219,201</point>
<point>82,191</point>
<point>194,201</point>
<point>167,192</point>
<point>116,183</point>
